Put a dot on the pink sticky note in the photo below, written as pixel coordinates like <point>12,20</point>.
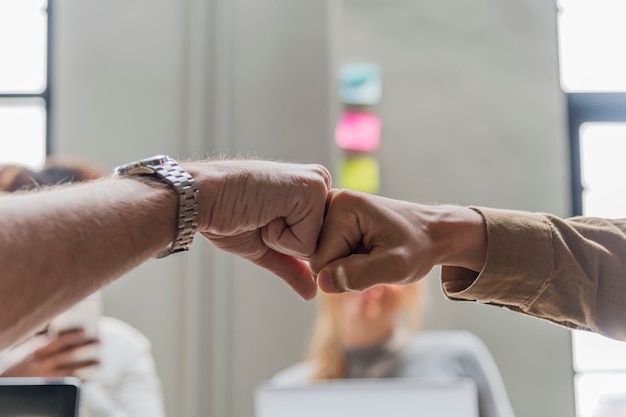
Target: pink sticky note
<point>358,131</point>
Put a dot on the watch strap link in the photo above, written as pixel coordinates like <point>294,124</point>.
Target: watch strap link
<point>187,210</point>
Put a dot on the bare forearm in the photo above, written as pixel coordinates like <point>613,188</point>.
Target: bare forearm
<point>60,245</point>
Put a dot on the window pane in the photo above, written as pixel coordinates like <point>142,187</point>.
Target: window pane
<point>602,150</point>
<point>594,352</point>
<point>22,46</point>
<point>591,45</point>
<point>23,132</point>
<point>601,395</point>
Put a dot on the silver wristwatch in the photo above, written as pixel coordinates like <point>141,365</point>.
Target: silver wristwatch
<point>165,169</point>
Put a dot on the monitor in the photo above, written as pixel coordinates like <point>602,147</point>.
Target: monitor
<point>369,398</point>
<point>39,397</point>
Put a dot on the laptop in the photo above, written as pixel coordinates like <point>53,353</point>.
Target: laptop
<point>39,397</point>
<point>410,397</point>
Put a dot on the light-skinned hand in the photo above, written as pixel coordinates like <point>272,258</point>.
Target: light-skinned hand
<point>266,212</point>
<point>55,358</point>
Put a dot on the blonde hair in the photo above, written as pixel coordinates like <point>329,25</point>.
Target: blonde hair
<point>326,351</point>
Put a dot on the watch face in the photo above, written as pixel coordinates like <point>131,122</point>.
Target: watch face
<point>153,160</point>
<point>141,167</point>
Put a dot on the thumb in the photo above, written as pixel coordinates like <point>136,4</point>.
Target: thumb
<point>359,272</point>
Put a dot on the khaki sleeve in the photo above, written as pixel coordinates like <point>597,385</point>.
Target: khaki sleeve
<point>569,271</point>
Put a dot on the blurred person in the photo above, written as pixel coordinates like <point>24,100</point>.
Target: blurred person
<point>372,334</point>
<point>113,359</point>
<point>56,170</point>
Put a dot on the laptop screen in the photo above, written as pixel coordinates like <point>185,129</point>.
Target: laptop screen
<point>37,397</point>
<point>370,398</point>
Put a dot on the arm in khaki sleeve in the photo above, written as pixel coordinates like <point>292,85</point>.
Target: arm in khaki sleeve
<point>59,245</point>
<point>569,271</point>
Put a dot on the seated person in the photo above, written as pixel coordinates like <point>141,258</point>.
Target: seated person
<point>55,171</point>
<point>116,366</point>
<point>117,370</point>
<point>368,335</point>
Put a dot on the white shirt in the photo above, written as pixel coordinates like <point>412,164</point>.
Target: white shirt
<point>124,384</point>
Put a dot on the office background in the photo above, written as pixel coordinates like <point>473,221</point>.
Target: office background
<point>472,113</point>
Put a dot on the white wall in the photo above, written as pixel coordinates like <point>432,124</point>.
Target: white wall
<point>472,114</point>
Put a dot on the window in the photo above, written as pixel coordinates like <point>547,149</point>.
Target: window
<point>24,82</point>
<point>593,75</point>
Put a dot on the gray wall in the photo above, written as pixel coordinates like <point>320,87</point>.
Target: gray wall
<point>471,115</point>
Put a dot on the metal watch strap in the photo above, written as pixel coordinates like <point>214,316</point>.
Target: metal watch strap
<point>167,170</point>
<point>187,209</point>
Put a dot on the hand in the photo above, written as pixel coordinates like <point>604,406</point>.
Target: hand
<point>269,213</point>
<point>55,358</point>
<point>368,240</point>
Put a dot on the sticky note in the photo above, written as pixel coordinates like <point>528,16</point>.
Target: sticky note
<point>360,174</point>
<point>360,84</point>
<point>358,131</point>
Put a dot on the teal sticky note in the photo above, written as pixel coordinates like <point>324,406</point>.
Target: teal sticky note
<point>360,84</point>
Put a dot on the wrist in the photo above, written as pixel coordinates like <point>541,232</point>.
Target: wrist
<point>211,178</point>
<point>460,237</point>
<point>163,169</point>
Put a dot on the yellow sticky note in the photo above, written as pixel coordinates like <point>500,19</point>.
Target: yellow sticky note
<point>360,174</point>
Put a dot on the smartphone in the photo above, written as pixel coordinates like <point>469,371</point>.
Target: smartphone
<point>83,315</point>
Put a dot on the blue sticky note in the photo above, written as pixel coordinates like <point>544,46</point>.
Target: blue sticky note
<point>360,84</point>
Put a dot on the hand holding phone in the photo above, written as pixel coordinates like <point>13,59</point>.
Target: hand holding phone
<point>82,316</point>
